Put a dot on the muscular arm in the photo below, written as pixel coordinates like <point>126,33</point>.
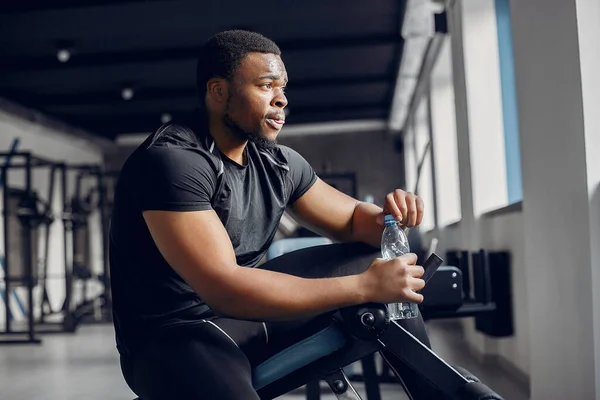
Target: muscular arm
<point>338,216</point>
<point>197,247</point>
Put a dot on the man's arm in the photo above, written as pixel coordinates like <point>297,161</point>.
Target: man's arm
<point>340,217</point>
<point>197,247</point>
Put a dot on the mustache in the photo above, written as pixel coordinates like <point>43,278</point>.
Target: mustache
<point>276,116</point>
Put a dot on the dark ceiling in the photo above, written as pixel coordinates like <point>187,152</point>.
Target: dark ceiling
<point>342,56</point>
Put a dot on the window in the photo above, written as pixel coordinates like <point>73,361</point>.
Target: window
<point>509,103</point>
<point>443,121</point>
<point>424,167</point>
<point>484,103</point>
<point>491,101</point>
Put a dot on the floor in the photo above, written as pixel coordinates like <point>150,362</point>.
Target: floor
<point>85,366</point>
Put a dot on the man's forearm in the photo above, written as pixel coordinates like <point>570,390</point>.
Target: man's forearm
<point>364,226</point>
<point>257,294</point>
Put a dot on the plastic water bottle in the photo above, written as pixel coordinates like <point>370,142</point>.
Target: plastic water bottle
<point>394,243</point>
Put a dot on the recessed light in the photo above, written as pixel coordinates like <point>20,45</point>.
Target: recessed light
<point>165,118</point>
<point>63,55</point>
<point>127,93</point>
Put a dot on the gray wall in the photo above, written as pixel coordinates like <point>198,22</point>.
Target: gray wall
<point>379,168</point>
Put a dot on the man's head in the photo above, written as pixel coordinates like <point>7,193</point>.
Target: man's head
<point>241,80</point>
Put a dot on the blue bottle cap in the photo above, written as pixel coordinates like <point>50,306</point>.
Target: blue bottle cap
<point>389,220</point>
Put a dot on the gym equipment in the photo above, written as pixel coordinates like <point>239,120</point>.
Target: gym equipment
<point>27,222</point>
<point>5,295</point>
<point>450,295</point>
<point>21,223</point>
<point>77,213</point>
<point>355,333</point>
<point>369,376</point>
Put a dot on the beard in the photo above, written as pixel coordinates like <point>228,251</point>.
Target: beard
<point>261,142</point>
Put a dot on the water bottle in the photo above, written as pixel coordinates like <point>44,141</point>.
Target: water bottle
<point>394,243</point>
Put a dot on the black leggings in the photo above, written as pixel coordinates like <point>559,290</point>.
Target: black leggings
<point>214,358</point>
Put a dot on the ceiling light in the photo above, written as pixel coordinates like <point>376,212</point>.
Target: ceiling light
<point>165,118</point>
<point>63,55</point>
<point>127,93</point>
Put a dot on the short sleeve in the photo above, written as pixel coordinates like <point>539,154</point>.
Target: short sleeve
<point>174,180</point>
<point>301,173</point>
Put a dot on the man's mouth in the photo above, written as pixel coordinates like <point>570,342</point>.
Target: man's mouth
<point>275,123</point>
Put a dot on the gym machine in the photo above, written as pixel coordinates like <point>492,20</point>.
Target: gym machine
<point>77,214</point>
<point>353,334</point>
<point>27,221</point>
<point>23,219</point>
<point>475,285</point>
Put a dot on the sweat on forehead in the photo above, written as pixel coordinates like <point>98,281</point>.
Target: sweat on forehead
<point>261,66</point>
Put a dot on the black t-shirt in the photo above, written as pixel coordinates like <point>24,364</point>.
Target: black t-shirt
<point>180,169</point>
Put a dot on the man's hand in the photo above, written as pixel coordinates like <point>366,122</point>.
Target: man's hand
<point>406,207</point>
<point>396,280</point>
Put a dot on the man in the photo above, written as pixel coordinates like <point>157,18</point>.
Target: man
<point>197,206</point>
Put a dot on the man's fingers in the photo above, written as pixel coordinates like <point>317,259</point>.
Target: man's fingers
<point>413,297</point>
<point>411,207</point>
<point>415,271</point>
<point>409,258</point>
<point>417,284</point>
<point>400,201</point>
<point>420,209</point>
<point>392,208</point>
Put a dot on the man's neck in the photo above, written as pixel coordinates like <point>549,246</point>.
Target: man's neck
<point>227,143</point>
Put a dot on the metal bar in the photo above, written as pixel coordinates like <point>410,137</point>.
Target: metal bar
<point>45,296</point>
<point>370,377</point>
<point>341,387</point>
<point>104,226</point>
<point>27,259</point>
<point>91,168</point>
<point>464,311</point>
<point>8,314</point>
<point>33,160</point>
<point>21,341</point>
<point>422,359</point>
<point>66,230</point>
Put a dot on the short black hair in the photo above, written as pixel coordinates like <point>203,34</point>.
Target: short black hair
<point>222,53</point>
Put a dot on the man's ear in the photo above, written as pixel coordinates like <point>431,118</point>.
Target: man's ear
<point>216,89</point>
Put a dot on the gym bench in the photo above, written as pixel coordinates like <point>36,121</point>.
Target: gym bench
<point>354,333</point>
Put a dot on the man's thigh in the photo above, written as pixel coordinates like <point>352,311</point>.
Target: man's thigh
<point>200,363</point>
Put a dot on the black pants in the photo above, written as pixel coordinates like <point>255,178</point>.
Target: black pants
<point>214,358</point>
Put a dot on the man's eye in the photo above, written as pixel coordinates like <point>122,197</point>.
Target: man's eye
<point>268,85</point>
<point>284,89</point>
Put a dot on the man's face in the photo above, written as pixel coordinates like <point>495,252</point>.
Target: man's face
<point>254,109</point>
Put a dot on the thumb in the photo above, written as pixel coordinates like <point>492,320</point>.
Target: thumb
<point>379,219</point>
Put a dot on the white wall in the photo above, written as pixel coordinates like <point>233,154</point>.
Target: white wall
<point>502,232</point>
<point>554,239</point>
<point>50,140</point>
<point>479,144</point>
<point>588,15</point>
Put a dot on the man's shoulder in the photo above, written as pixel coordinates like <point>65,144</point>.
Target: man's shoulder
<point>174,146</point>
<point>177,136</point>
<point>289,156</point>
